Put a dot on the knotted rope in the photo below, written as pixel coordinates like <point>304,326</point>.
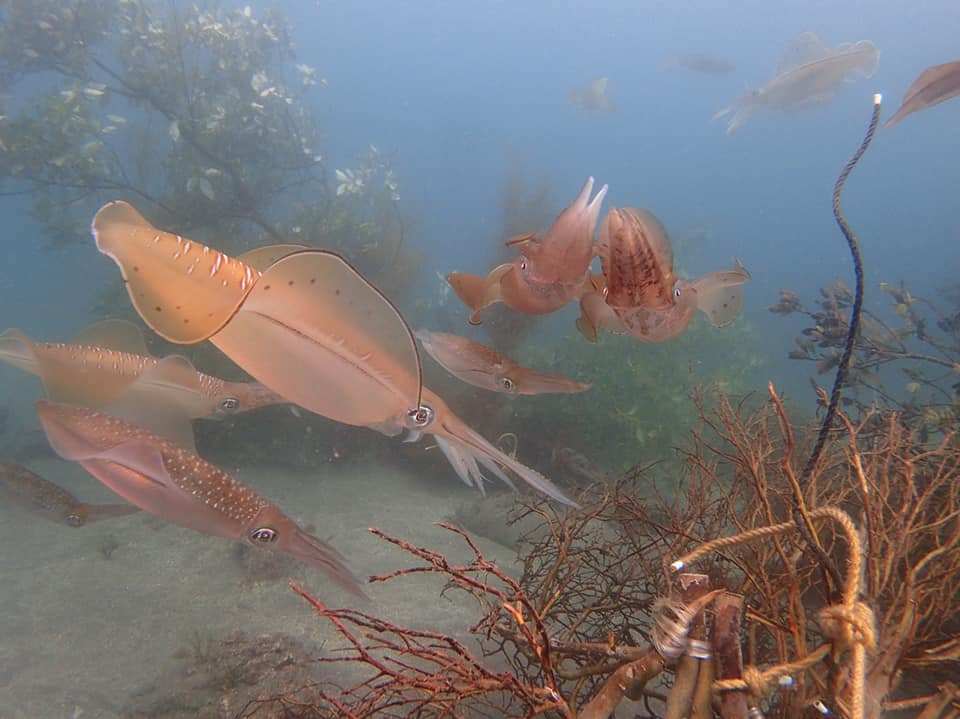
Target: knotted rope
<point>849,624</point>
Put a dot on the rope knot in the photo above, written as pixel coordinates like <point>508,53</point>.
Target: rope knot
<point>848,625</point>
<point>757,683</point>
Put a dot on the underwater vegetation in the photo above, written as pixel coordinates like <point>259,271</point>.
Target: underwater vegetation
<point>194,109</point>
<point>365,223</point>
<point>906,356</point>
<point>198,112</point>
<point>600,615</point>
<point>640,403</point>
<point>232,674</point>
<point>615,596</point>
<point>745,578</point>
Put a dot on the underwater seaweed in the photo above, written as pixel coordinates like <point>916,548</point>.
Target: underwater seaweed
<point>905,357</point>
<point>196,109</point>
<point>234,674</point>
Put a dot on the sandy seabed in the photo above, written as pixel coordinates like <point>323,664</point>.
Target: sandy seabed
<point>91,618</point>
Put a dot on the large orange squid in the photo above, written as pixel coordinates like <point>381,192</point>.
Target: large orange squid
<point>638,292</point>
<point>304,323</point>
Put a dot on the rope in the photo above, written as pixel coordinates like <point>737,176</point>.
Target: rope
<point>848,625</point>
<point>723,542</point>
<point>758,682</point>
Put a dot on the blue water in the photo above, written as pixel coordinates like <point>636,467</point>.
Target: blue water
<point>458,93</point>
<point>459,90</point>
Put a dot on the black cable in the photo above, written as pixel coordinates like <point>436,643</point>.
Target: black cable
<point>854,327</point>
<point>800,516</point>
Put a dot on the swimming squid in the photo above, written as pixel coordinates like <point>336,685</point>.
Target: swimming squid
<point>719,295</point>
<point>593,96</point>
<point>638,291</point>
<point>636,257</point>
<point>176,485</point>
<point>28,490</point>
<point>303,322</point>
<point>934,85</point>
<point>548,272</point>
<point>808,75</point>
<point>102,362</point>
<point>486,368</point>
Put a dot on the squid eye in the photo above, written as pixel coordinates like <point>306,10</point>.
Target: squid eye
<point>74,520</point>
<point>228,405</point>
<point>676,292</point>
<point>523,263</point>
<point>420,417</point>
<point>506,384</point>
<point>263,535</point>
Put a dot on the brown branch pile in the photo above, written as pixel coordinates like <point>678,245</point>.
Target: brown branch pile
<point>585,628</point>
<point>421,673</point>
<point>910,493</point>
